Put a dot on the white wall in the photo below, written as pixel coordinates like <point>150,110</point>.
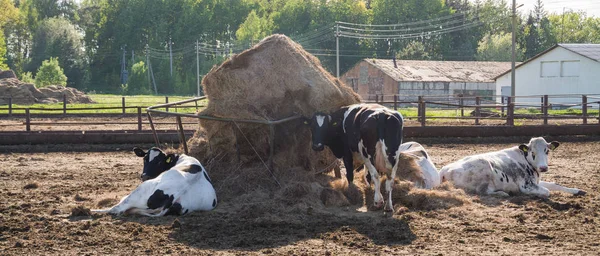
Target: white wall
<point>528,80</point>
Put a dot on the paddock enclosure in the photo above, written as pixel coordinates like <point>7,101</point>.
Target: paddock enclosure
<point>45,197</point>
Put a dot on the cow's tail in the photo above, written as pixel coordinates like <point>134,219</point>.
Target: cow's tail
<point>380,152</point>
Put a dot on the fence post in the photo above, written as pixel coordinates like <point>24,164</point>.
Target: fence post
<point>123,104</point>
<point>27,120</point>
<point>64,104</point>
<point>545,109</point>
<point>461,102</point>
<point>422,110</point>
<point>10,106</point>
<point>584,108</point>
<point>510,111</point>
<point>477,102</point>
<point>395,102</point>
<point>502,103</point>
<point>167,101</point>
<point>181,134</point>
<point>139,114</point>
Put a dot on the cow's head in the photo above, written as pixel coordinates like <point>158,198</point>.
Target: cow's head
<point>536,152</point>
<point>322,128</point>
<point>155,162</point>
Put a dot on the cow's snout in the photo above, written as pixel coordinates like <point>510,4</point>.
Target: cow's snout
<point>543,168</point>
<point>318,147</point>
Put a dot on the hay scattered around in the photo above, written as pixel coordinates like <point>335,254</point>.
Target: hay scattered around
<point>80,211</point>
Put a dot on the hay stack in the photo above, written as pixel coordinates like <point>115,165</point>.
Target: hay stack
<point>273,80</point>
<point>27,94</point>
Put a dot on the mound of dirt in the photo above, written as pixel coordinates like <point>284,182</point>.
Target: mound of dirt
<point>26,94</point>
<point>275,79</point>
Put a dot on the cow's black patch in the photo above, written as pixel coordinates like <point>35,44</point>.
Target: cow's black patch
<point>501,180</point>
<point>214,202</point>
<point>206,176</point>
<point>175,209</point>
<point>159,199</point>
<point>195,169</point>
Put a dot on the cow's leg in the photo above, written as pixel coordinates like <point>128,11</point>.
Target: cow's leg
<point>536,190</point>
<point>389,182</point>
<point>349,164</point>
<point>378,201</point>
<point>555,187</point>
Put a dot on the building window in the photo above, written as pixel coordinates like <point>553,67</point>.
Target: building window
<point>569,68</point>
<point>549,69</point>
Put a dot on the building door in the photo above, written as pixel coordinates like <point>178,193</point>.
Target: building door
<point>505,92</point>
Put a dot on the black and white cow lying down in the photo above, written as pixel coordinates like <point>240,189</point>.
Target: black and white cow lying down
<point>173,184</point>
<point>512,170</point>
<point>369,132</point>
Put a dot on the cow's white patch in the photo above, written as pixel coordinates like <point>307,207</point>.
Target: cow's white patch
<point>352,107</point>
<point>320,120</point>
<point>152,154</point>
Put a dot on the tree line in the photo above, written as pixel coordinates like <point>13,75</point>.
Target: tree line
<point>95,40</point>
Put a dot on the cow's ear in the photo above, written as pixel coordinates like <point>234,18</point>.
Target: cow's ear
<point>524,148</point>
<point>139,152</point>
<point>553,145</point>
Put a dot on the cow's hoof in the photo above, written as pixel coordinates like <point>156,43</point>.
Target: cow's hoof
<point>581,193</point>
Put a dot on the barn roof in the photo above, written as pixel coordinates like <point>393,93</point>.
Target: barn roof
<point>440,71</point>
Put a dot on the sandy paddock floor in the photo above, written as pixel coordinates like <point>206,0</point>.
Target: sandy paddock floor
<point>40,190</point>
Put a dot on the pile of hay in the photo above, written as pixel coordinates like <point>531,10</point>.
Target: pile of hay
<point>26,94</point>
<point>274,79</point>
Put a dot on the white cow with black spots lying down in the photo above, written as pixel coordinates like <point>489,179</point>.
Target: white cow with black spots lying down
<point>172,184</point>
<point>512,170</point>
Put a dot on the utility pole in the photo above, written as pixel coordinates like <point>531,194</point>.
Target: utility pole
<point>197,69</point>
<point>337,49</point>
<point>148,67</point>
<point>171,57</point>
<point>514,53</point>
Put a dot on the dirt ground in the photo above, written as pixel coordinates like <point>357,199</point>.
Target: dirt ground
<point>40,191</point>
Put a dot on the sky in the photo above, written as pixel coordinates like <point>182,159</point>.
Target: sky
<point>592,7</point>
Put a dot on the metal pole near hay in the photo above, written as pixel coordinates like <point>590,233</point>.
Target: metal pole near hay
<point>153,130</point>
<point>337,49</point>
<point>181,134</point>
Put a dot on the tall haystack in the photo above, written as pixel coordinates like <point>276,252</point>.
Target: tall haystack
<point>274,79</point>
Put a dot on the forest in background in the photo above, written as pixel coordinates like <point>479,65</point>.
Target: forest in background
<point>96,40</point>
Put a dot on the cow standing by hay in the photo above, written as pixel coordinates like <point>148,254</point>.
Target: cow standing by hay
<point>173,185</point>
<point>369,132</point>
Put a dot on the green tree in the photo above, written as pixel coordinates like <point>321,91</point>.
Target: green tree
<point>254,28</point>
<point>50,73</point>
<point>138,80</point>
<point>8,13</point>
<point>57,37</point>
<point>415,50</point>
<point>497,48</point>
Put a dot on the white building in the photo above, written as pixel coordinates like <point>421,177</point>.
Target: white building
<point>572,69</point>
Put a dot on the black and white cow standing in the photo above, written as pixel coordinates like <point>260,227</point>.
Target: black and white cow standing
<point>371,132</point>
<point>512,170</point>
<point>173,184</point>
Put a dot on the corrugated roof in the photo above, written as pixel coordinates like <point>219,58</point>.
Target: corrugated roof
<point>441,71</point>
<point>591,51</point>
